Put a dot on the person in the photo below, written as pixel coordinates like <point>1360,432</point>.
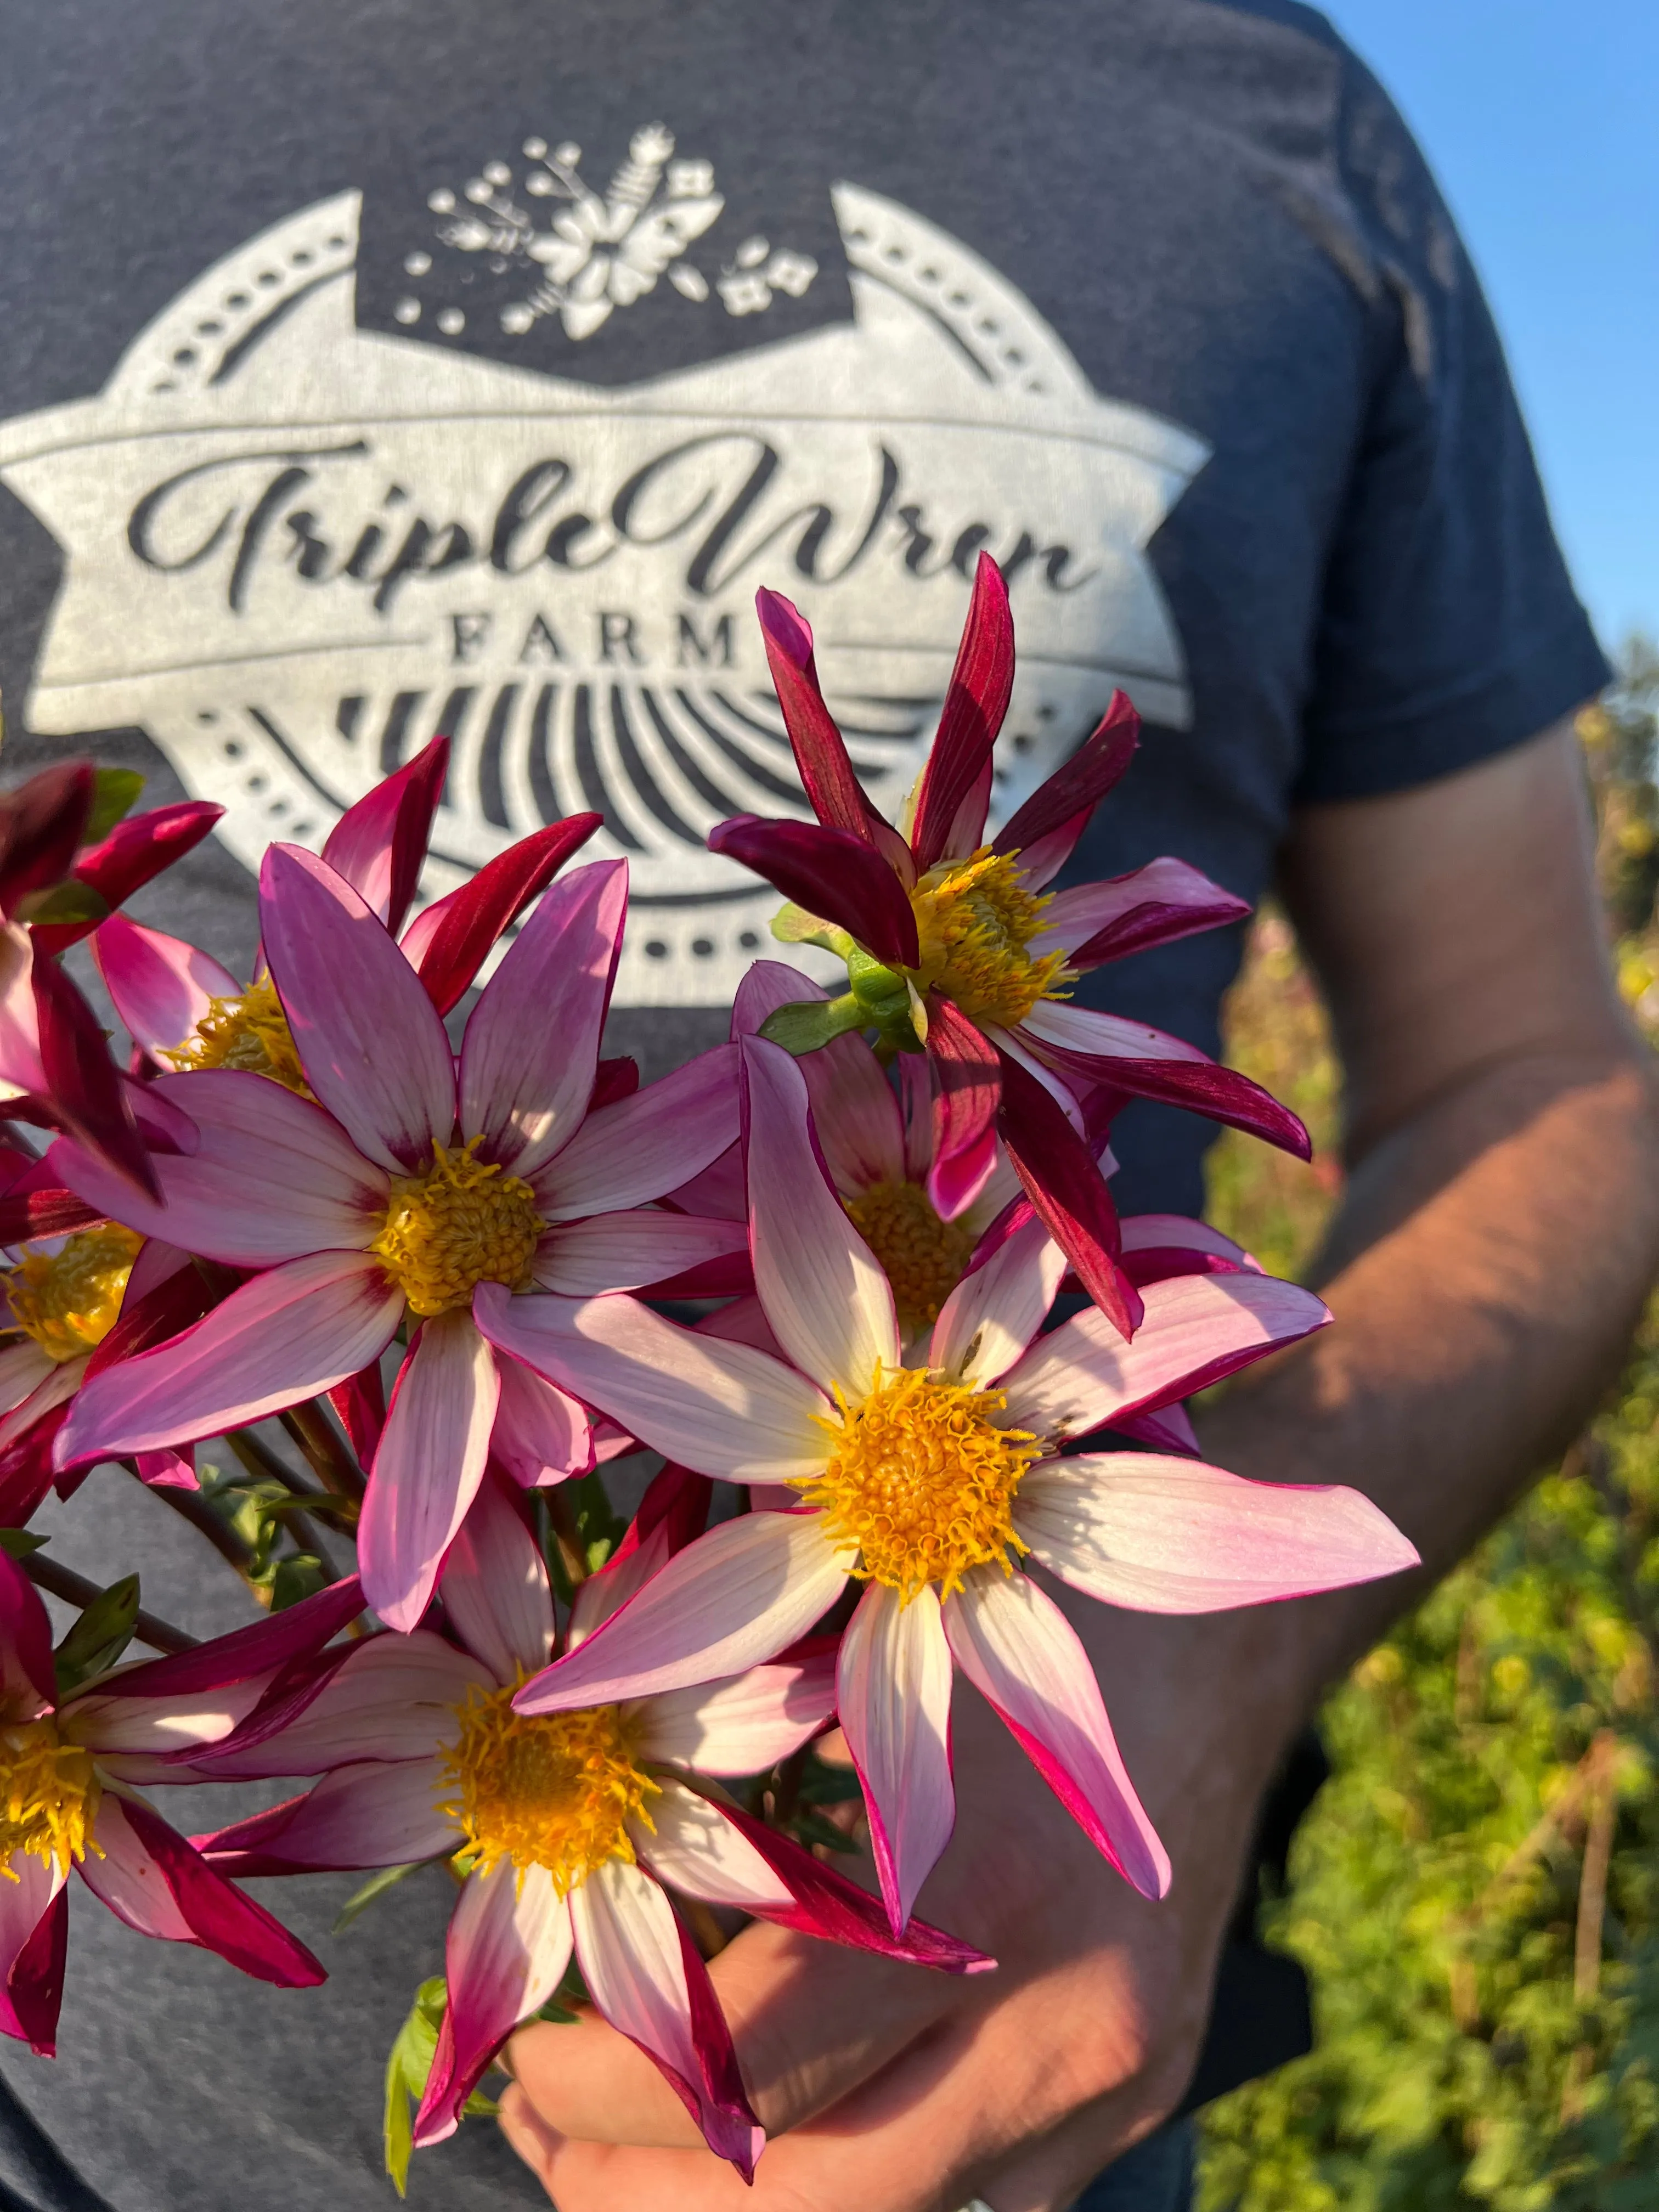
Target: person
<point>378,369</point>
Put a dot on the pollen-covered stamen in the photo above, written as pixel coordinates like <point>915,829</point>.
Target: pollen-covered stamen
<point>461,1223</point>
<point>49,1793</point>
<point>922,1255</point>
<point>249,1032</point>
<point>69,1300</point>
<point>976,921</point>
<point>922,1480</point>
<point>548,1790</point>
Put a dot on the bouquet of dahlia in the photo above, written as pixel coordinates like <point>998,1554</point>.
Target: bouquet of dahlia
<point>415,1279</point>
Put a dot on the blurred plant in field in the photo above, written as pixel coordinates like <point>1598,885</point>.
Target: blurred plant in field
<point>1476,1891</point>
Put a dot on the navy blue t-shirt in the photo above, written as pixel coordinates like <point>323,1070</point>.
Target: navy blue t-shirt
<point>374,369</point>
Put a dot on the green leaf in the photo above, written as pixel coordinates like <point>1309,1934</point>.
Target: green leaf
<point>809,1829</point>
<point>99,1637</point>
<point>20,1543</point>
<point>407,2069</point>
<point>792,925</point>
<point>114,794</point>
<point>376,1885</point>
<point>301,1574</point>
<point>69,901</point>
<point>809,1024</point>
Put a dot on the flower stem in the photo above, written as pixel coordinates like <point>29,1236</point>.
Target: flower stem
<point>75,1589</point>
<point>327,1452</point>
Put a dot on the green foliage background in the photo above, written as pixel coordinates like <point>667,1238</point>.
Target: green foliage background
<point>1475,1893</point>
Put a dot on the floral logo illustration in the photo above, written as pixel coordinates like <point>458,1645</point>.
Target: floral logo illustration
<point>592,253</point>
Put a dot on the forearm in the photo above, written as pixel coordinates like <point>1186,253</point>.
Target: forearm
<point>1484,1272</point>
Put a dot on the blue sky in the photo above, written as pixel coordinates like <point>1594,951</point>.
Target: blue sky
<point>1541,120</point>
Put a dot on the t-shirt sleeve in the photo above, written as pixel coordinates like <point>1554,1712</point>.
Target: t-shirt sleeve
<point>1448,629</point>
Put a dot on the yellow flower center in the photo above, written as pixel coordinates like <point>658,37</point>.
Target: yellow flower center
<point>68,1300</point>
<point>923,1256</point>
<point>460,1222</point>
<point>976,921</point>
<point>250,1032</point>
<point>922,1480</point>
<point>548,1790</point>
<point>48,1796</point>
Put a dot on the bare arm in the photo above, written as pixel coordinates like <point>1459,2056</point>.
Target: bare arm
<point>1500,1227</point>
<point>1501,1222</point>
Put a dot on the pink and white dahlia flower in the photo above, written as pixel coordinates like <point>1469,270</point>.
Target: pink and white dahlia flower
<point>570,1829</point>
<point>403,1183</point>
<point>68,1803</point>
<point>933,1485</point>
<point>956,949</point>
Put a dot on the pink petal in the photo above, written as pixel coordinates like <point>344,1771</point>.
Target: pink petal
<point>825,1904</point>
<point>1021,1653</point>
<point>855,1112</point>
<point>1159,1233</point>
<point>1154,905</point>
<point>832,873</point>
<point>261,1649</point>
<point>23,1368</point>
<point>1172,1535</point>
<point>28,1684</point>
<point>648,1982</point>
<point>372,1815</point>
<point>150,1729</point>
<point>542,1434</point>
<point>894,1698</point>
<point>37,1205</point>
<point>744,1321</point>
<point>738,1595</point>
<point>1079,783</point>
<point>88,1099</point>
<point>371,1048</point>
<point>1149,1064</point>
<point>1042,859</point>
<point>625,1251</point>
<point>19,1025</point>
<point>151,1878</point>
<point>428,1467</point>
<point>1165,1429</point>
<point>1062,1180</point>
<point>998,1306</point>
<point>273,1176</point>
<point>510,1943</point>
<point>495,1587</point>
<point>42,821</point>
<point>823,1290</point>
<point>160,986</point>
<point>135,851</point>
<point>827,774</point>
<point>33,1952</point>
<point>967,1086</point>
<point>392,1699</point>
<point>1198,1329</point>
<point>532,1041</point>
<point>974,706</point>
<point>167,1469</point>
<point>285,1336</point>
<point>378,845</point>
<point>743,1726</point>
<point>645,1145</point>
<point>673,1513</point>
<point>720,1409</point>
<point>450,941</point>
<point>693,1848</point>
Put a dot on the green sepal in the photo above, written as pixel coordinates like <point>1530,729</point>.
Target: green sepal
<point>792,925</point>
<point>806,1024</point>
<point>99,1637</point>
<point>377,1885</point>
<point>407,2069</point>
<point>20,1543</point>
<point>114,792</point>
<point>69,901</point>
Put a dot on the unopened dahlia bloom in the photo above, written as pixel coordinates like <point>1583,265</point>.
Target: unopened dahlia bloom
<point>932,1486</point>
<point>406,1180</point>
<point>569,1829</point>
<point>957,948</point>
<point>68,1803</point>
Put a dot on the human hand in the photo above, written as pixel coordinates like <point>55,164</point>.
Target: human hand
<point>895,2090</point>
